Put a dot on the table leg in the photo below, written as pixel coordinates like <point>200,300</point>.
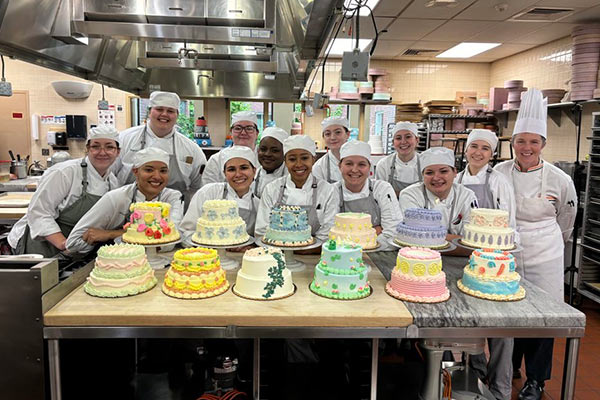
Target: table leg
<point>54,369</point>
<point>256,370</point>
<point>570,369</point>
<point>374,366</point>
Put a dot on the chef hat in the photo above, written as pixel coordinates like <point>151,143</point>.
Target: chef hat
<point>406,126</point>
<point>532,114</point>
<point>164,99</point>
<point>355,148</point>
<point>244,116</point>
<point>327,122</point>
<point>236,151</point>
<point>276,133</point>
<point>150,154</point>
<point>435,156</point>
<point>299,142</point>
<point>103,132</point>
<point>483,134</point>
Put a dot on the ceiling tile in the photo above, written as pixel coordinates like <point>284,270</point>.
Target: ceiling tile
<point>504,32</point>
<point>502,51</point>
<point>457,30</point>
<point>411,29</point>
<point>418,10</point>
<point>485,10</point>
<point>366,26</point>
<point>431,45</point>
<point>547,33</point>
<point>390,8</point>
<point>584,16</point>
<point>388,49</point>
<point>567,4</point>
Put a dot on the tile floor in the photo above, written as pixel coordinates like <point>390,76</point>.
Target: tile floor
<point>588,381</point>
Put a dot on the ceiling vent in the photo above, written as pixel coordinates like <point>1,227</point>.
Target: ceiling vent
<point>418,52</point>
<point>542,14</point>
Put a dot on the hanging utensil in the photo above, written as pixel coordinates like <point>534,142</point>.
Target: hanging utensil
<point>12,156</point>
<point>18,157</point>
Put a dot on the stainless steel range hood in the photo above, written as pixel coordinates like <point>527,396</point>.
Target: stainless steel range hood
<point>197,48</point>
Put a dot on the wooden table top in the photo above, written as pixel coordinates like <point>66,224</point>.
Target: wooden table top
<point>14,212</point>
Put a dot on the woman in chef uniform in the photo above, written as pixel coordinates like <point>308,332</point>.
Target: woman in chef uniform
<point>359,194</point>
<point>336,132</point>
<point>300,188</point>
<point>65,193</point>
<point>239,168</point>
<point>493,190</point>
<point>104,222</point>
<point>438,191</point>
<point>546,204</point>
<point>270,157</point>
<point>402,168</point>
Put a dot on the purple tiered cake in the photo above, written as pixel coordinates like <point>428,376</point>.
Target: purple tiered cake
<point>421,227</point>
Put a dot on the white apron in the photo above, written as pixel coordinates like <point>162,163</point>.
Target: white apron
<point>542,258</point>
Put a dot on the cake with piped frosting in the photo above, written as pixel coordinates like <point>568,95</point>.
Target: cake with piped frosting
<point>489,228</point>
<point>491,274</point>
<point>418,276</point>
<point>354,228</point>
<point>288,227</point>
<point>220,224</point>
<point>120,270</point>
<point>421,227</point>
<point>149,223</point>
<point>263,275</point>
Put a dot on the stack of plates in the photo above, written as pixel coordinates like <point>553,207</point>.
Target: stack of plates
<point>554,95</point>
<point>365,88</point>
<point>585,59</point>
<point>515,89</point>
<point>348,91</point>
<point>380,83</point>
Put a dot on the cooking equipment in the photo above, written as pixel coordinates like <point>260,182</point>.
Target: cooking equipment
<point>60,156</point>
<point>12,156</point>
<point>36,169</point>
<point>19,168</point>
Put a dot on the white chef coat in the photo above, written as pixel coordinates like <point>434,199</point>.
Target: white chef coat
<point>190,157</point>
<point>412,197</point>
<point>59,187</point>
<point>405,171</point>
<point>212,191</point>
<point>264,178</point>
<point>214,169</point>
<point>327,203</point>
<point>320,168</point>
<point>384,195</point>
<point>112,209</point>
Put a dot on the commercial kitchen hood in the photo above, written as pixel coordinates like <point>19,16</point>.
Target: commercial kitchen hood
<point>246,49</point>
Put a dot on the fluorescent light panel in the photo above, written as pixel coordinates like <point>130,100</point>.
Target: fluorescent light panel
<point>364,11</point>
<point>467,50</point>
<point>339,46</point>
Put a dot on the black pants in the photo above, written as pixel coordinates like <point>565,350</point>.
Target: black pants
<point>538,357</point>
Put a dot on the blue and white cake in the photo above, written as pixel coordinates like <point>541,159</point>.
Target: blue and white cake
<point>422,228</point>
<point>491,274</point>
<point>288,227</point>
<point>220,224</point>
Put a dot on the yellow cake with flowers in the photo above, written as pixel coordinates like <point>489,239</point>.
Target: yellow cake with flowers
<point>354,228</point>
<point>195,273</point>
<point>149,224</point>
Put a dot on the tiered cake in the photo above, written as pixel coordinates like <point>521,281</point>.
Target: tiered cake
<point>288,227</point>
<point>341,273</point>
<point>421,227</point>
<point>149,224</point>
<point>195,273</point>
<point>376,143</point>
<point>491,275</point>
<point>354,228</point>
<point>120,270</point>
<point>220,224</point>
<point>489,228</point>
<point>263,275</point>
<point>418,276</point>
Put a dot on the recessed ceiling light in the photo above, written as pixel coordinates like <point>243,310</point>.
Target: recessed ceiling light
<point>467,50</point>
<point>364,11</point>
<point>339,46</point>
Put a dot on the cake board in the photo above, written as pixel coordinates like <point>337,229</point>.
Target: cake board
<point>458,242</point>
<point>228,264</point>
<point>290,260</point>
<point>450,246</point>
<point>157,261</point>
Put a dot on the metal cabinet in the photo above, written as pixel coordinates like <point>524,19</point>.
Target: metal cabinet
<point>115,10</point>
<point>236,12</point>
<point>188,12</point>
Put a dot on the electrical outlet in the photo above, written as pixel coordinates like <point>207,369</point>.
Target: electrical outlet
<point>45,152</point>
<point>355,66</point>
<point>5,88</point>
<point>320,101</point>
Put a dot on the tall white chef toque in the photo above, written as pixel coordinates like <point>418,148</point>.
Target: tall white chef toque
<point>164,99</point>
<point>302,142</point>
<point>103,132</point>
<point>406,126</point>
<point>327,122</point>
<point>276,133</point>
<point>532,114</point>
<point>356,148</point>
<point>485,135</point>
<point>236,151</point>
<point>244,116</point>
<point>150,154</point>
<point>437,156</point>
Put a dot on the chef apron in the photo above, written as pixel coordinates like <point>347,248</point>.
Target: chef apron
<point>542,257</point>
<point>365,205</point>
<point>399,185</point>
<point>249,216</point>
<point>450,216</point>
<point>329,169</point>
<point>485,197</point>
<point>66,221</point>
<point>311,210</point>
<point>256,191</point>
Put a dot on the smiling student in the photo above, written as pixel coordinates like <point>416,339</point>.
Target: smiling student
<point>336,131</point>
<point>270,157</point>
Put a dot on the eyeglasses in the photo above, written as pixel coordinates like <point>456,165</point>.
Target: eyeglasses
<point>108,149</point>
<point>239,129</point>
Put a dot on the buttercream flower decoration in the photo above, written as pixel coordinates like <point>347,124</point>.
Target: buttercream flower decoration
<point>136,215</point>
<point>167,230</point>
<point>131,218</point>
<point>141,228</point>
<point>126,225</point>
<point>149,232</point>
<point>157,235</point>
<point>148,217</point>
<point>163,223</point>
<point>165,212</point>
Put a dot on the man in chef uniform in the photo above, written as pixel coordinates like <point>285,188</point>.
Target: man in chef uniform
<point>186,159</point>
<point>244,131</point>
<point>104,221</point>
<point>270,157</point>
<point>402,168</point>
<point>546,206</point>
<point>336,131</point>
